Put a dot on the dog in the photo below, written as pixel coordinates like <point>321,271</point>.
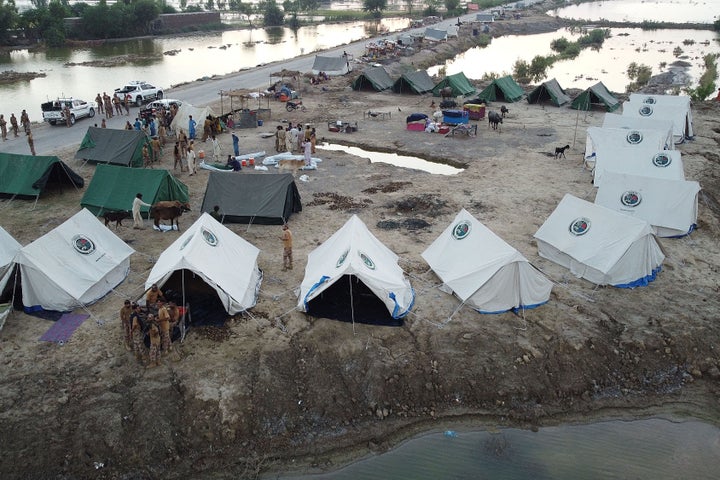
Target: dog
<point>560,151</point>
<point>291,165</point>
<point>116,216</point>
<point>504,110</point>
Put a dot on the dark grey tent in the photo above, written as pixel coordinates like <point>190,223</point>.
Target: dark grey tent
<point>373,78</point>
<point>414,82</point>
<point>435,35</point>
<point>549,91</point>
<point>598,94</point>
<point>268,199</point>
<point>333,66</point>
<point>110,145</point>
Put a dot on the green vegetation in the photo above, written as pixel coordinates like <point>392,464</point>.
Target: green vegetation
<point>375,7</point>
<point>639,76</point>
<point>271,13</point>
<point>706,85</point>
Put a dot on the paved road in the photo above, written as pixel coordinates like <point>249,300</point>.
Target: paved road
<point>48,138</point>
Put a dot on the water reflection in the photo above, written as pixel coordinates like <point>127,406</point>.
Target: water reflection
<point>394,159</point>
<point>609,64</point>
<point>677,11</point>
<point>653,448</point>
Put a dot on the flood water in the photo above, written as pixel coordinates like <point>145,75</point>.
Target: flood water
<point>677,11</point>
<point>642,449</point>
<point>609,64</point>
<point>403,161</point>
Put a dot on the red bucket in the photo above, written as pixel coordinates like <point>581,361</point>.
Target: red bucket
<point>243,163</point>
<point>251,162</point>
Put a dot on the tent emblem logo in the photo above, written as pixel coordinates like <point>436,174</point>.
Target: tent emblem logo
<point>342,258</point>
<point>461,230</point>
<point>645,110</point>
<point>634,137</point>
<point>661,160</point>
<point>580,226</point>
<point>650,100</point>
<point>367,261</point>
<point>630,198</point>
<point>209,237</point>
<point>83,244</point>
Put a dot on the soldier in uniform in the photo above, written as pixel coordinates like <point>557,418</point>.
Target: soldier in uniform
<point>3,127</point>
<point>137,332</point>
<point>164,320</point>
<point>154,332</point>
<point>14,124</point>
<point>125,313</point>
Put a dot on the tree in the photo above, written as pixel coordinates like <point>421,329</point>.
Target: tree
<point>452,6</point>
<point>8,20</point>
<point>375,7</point>
<point>409,5</point>
<point>432,8</point>
<point>272,15</point>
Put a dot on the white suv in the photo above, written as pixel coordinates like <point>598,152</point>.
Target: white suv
<point>140,92</point>
<point>54,112</point>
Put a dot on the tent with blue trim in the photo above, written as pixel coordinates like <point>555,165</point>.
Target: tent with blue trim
<point>354,277</point>
<point>484,271</point>
<point>600,245</point>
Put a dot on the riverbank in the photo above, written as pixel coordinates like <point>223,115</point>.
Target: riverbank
<point>276,390</point>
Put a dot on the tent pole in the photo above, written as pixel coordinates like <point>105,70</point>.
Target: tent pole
<point>352,305</point>
<point>185,306</point>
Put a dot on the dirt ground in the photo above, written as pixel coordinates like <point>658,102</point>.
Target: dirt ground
<point>276,390</point>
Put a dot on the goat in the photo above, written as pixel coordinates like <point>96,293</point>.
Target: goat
<point>504,110</point>
<point>560,151</point>
<point>168,210</point>
<point>116,216</point>
<point>446,92</point>
<point>494,121</point>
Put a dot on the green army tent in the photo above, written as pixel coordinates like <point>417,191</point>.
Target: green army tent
<point>598,94</point>
<point>114,188</point>
<point>373,78</point>
<point>29,175</point>
<point>264,199</point>
<point>109,145</point>
<point>414,82</point>
<point>459,82</point>
<point>503,89</point>
<point>549,91</point>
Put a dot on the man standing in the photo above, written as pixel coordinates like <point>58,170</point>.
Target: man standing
<point>136,329</point>
<point>154,332</point>
<point>125,313</point>
<point>31,143</point>
<point>216,149</point>
<point>14,124</point>
<point>191,127</point>
<point>287,248</point>
<point>67,115</point>
<point>280,139</point>
<point>191,158</point>
<point>164,322</point>
<point>3,127</point>
<point>137,218</point>
<point>25,121</point>
<point>236,144</point>
<point>99,102</point>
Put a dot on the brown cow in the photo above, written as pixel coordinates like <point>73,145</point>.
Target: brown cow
<point>168,210</point>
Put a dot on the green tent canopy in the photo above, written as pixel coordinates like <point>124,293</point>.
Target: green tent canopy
<point>459,82</point>
<point>114,188</point>
<point>109,145</point>
<point>373,78</point>
<point>549,91</point>
<point>29,175</point>
<point>503,89</point>
<point>414,82</point>
<point>598,94</point>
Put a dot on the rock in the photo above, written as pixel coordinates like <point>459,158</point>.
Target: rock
<point>526,358</point>
<point>713,372</point>
<point>695,372</point>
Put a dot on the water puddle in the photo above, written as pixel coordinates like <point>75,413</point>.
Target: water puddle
<point>403,161</point>
<point>652,448</point>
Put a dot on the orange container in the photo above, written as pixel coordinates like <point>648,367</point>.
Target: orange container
<point>251,162</point>
<point>201,154</point>
<point>283,97</point>
<point>243,163</point>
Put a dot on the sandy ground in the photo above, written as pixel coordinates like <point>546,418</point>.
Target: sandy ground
<point>276,390</point>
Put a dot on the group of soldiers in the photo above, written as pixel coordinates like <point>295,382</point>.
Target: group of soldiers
<point>157,321</point>
<point>15,128</point>
<point>111,106</point>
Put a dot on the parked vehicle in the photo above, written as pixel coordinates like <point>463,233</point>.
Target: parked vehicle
<point>54,112</point>
<point>290,106</point>
<point>153,107</point>
<point>140,92</point>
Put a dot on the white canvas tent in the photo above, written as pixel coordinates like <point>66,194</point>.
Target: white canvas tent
<point>669,206</point>
<point>666,164</point>
<point>613,120</point>
<point>182,118</point>
<point>224,261</point>
<point>483,270</point>
<point>600,245</point>
<point>333,66</point>
<point>677,110</point>
<point>612,146</point>
<point>375,289</point>
<point>73,265</point>
<point>9,247</point>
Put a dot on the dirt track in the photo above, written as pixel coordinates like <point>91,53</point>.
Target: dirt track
<point>277,389</point>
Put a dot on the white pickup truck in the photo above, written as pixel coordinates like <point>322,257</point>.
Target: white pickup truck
<point>54,112</point>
